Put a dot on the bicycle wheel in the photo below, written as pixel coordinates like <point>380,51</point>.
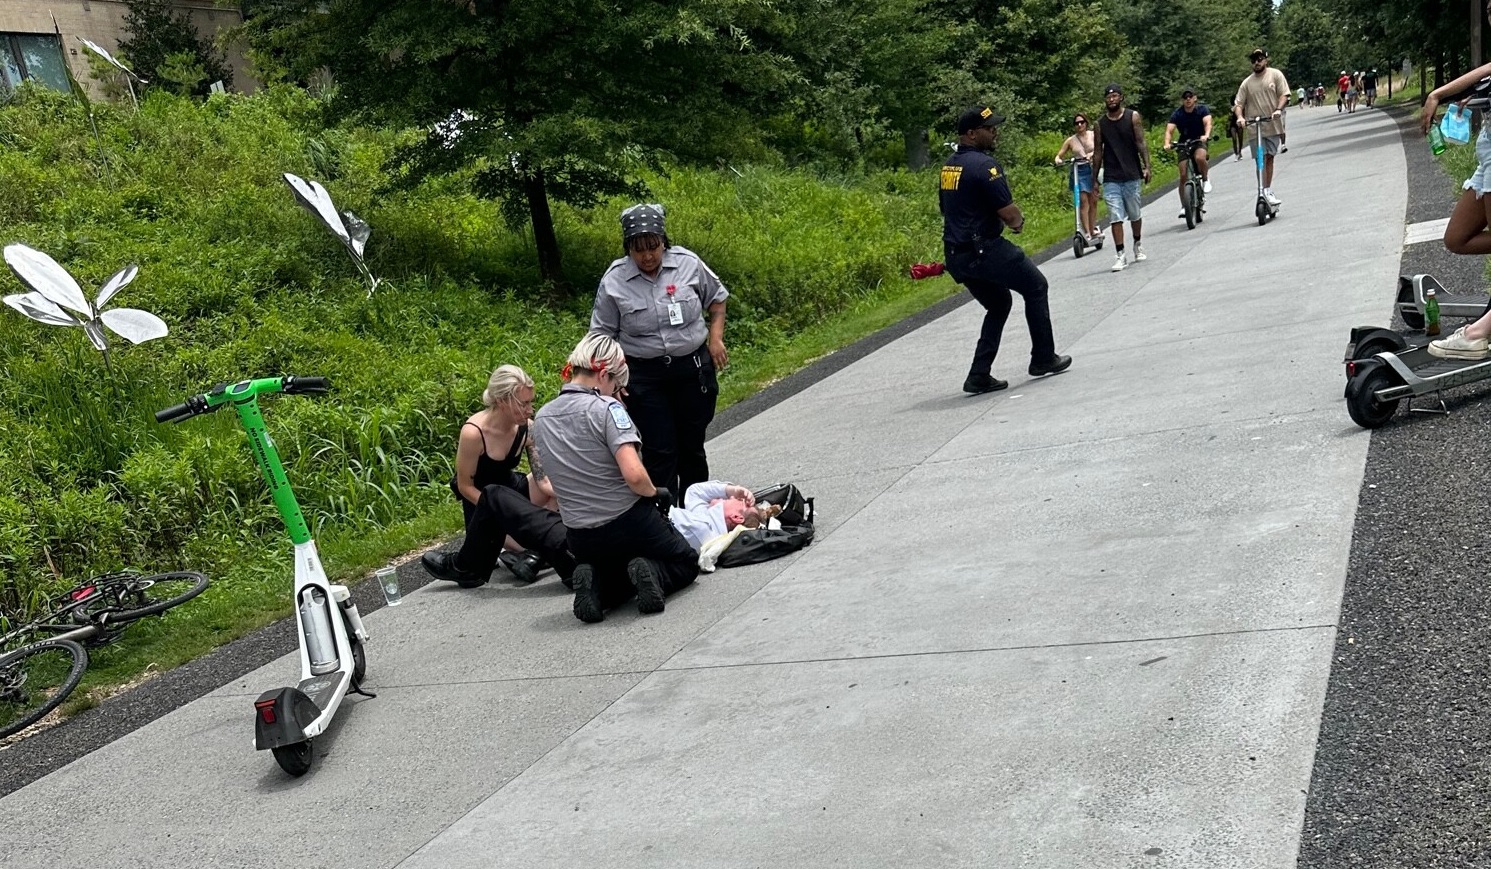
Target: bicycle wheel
<point>127,598</point>
<point>36,679</point>
<point>1188,204</point>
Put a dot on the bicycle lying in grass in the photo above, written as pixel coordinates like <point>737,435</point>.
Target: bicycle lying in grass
<point>36,675</point>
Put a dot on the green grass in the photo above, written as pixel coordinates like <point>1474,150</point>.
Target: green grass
<point>252,286</point>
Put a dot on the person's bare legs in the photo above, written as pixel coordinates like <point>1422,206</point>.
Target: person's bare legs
<point>1467,231</point>
<point>1268,171</point>
<point>1203,164</point>
<point>1089,213</point>
<point>1117,227</point>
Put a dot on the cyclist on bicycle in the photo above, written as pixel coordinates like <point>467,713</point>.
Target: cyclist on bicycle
<point>1192,121</point>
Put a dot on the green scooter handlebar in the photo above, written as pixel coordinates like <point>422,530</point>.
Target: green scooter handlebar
<point>243,390</point>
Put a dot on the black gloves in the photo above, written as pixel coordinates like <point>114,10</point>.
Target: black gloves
<point>664,501</point>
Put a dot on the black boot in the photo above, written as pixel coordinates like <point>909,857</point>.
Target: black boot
<point>442,565</point>
<point>525,566</point>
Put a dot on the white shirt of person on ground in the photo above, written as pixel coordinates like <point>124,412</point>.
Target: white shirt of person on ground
<point>708,511</point>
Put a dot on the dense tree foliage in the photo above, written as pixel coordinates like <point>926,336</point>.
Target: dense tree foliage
<point>163,47</point>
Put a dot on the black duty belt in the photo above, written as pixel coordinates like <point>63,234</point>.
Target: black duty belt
<point>692,362</point>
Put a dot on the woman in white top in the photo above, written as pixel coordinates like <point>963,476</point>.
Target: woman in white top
<point>1080,143</point>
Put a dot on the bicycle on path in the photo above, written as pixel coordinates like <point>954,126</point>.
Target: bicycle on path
<point>37,675</point>
<point>1192,192</point>
<point>332,661</point>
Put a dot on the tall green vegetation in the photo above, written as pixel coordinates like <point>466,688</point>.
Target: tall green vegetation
<point>252,286</point>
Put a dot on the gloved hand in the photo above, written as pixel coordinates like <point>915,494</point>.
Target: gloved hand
<point>664,500</point>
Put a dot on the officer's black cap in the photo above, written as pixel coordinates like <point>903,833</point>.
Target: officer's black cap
<point>978,116</point>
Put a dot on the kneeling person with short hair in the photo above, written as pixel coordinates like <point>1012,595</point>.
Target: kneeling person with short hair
<point>592,453</point>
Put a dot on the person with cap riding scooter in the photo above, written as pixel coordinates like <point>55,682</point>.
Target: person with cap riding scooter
<point>611,510</point>
<point>653,301</point>
<point>977,206</point>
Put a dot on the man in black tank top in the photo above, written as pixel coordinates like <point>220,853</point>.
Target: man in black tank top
<point>1122,150</point>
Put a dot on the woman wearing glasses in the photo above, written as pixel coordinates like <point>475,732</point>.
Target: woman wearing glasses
<point>492,443</point>
<point>1080,144</point>
<point>666,309</point>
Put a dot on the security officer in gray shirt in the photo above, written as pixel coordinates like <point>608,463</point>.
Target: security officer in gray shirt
<point>609,506</point>
<point>653,301</point>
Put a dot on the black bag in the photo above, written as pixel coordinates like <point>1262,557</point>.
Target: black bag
<point>796,510</point>
<point>763,544</point>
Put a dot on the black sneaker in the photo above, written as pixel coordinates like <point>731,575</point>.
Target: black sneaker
<point>525,566</point>
<point>587,600</point>
<point>647,582</point>
<point>442,565</point>
<point>1055,366</point>
<point>980,383</point>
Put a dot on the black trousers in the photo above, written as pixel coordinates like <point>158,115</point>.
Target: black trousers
<point>672,399</point>
<point>640,532</point>
<point>502,511</point>
<point>991,272</point>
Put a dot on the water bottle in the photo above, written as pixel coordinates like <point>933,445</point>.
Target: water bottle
<point>315,624</point>
<point>1436,144</point>
<point>1431,312</point>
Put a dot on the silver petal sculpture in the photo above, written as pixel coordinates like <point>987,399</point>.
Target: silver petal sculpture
<point>351,230</point>
<point>129,74</point>
<point>57,300</point>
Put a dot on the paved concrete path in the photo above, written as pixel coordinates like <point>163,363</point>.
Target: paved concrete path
<point>1085,622</point>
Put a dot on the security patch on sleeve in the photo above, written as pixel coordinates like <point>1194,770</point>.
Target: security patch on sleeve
<point>993,173</point>
<point>619,416</point>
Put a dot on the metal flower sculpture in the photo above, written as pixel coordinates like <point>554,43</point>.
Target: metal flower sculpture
<point>351,229</point>
<point>129,74</point>
<point>57,300</point>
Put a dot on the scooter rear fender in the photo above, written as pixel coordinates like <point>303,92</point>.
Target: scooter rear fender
<point>281,717</point>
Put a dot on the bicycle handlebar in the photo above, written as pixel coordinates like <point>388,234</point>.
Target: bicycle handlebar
<point>246,389</point>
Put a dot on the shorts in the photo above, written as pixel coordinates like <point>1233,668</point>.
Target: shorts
<point>1480,180</point>
<point>1123,200</point>
<point>1371,92</point>
<point>1084,178</point>
<point>1270,146</point>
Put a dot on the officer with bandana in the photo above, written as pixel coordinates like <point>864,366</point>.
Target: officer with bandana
<point>653,302</point>
<point>609,506</point>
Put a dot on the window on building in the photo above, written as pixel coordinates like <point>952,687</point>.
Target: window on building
<point>32,56</point>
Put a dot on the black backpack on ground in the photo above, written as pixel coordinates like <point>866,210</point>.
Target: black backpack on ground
<point>756,545</point>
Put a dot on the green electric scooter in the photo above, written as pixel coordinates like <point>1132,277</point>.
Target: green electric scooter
<point>332,661</point>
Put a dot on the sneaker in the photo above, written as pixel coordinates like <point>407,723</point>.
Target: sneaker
<point>645,579</point>
<point>1055,366</point>
<point>588,607</point>
<point>1458,346</point>
<point>1270,198</point>
<point>1139,256</point>
<point>1119,264</point>
<point>1205,185</point>
<point>442,565</point>
<point>1181,215</point>
<point>526,566</point>
<point>1238,158</point>
<point>976,384</point>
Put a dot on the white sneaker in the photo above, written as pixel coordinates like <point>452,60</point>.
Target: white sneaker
<point>1457,346</point>
<point>1139,256</point>
<point>1205,185</point>
<point>1119,264</point>
<point>1270,198</point>
<point>1238,158</point>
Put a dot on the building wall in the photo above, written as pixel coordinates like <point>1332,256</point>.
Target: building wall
<point>102,21</point>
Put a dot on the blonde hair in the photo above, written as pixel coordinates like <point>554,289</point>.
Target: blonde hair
<point>599,352</point>
<point>505,383</point>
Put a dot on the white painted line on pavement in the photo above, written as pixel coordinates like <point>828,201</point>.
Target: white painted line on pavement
<point>1429,230</point>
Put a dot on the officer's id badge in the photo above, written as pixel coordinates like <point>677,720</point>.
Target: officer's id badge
<point>675,314</point>
<point>620,417</point>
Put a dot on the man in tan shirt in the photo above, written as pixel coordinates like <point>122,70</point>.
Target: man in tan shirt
<point>1264,94</point>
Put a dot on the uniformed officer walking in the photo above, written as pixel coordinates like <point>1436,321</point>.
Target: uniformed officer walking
<point>609,506</point>
<point>653,302</point>
<point>977,207</point>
